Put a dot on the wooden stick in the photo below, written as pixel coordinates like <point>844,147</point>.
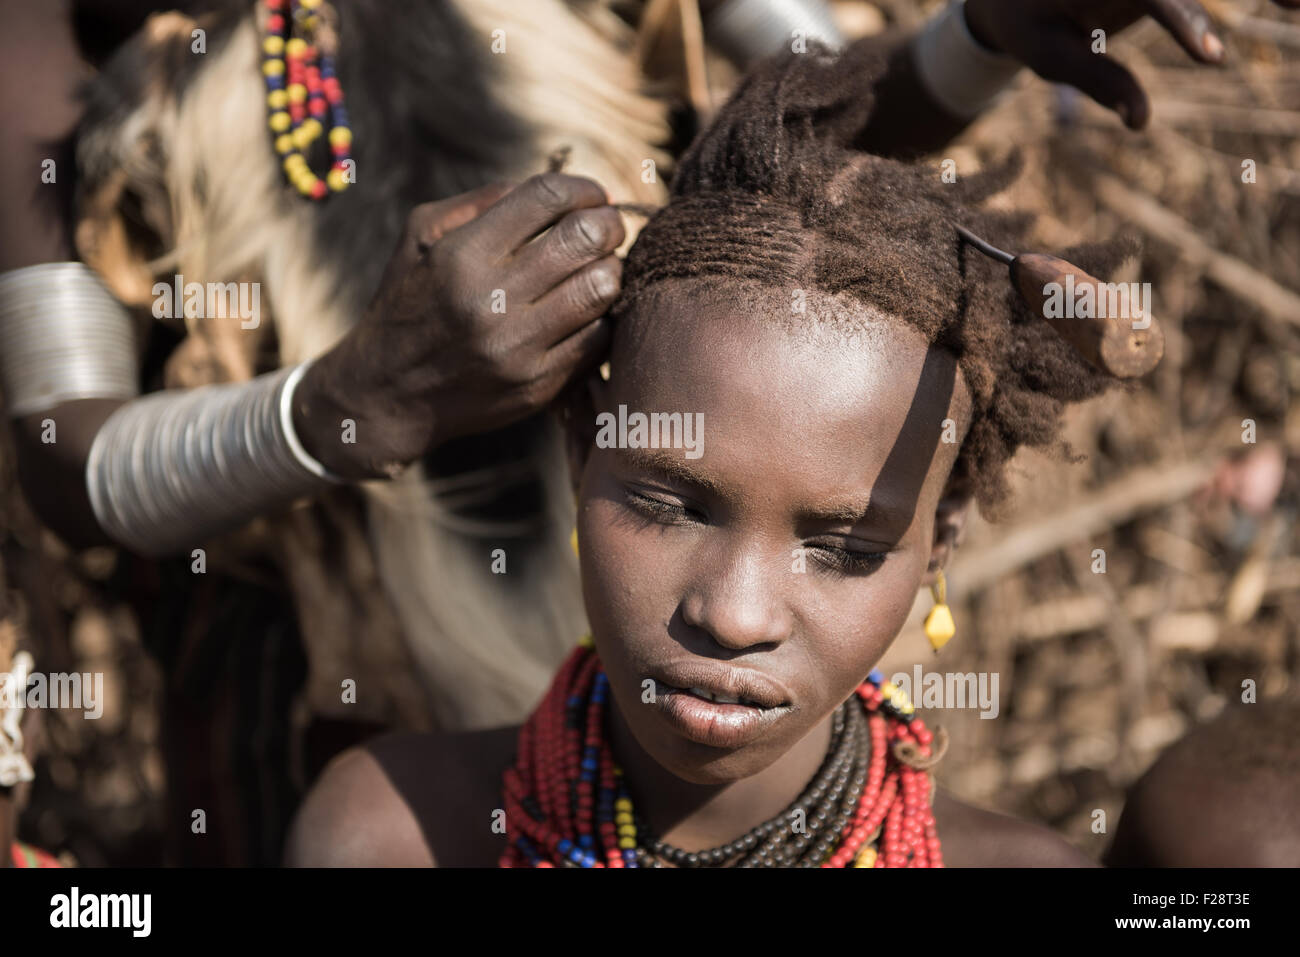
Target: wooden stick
<point>1109,334</point>
<point>1139,491</point>
<point>1232,119</point>
<point>1237,277</point>
<point>1073,613</point>
<point>1109,329</point>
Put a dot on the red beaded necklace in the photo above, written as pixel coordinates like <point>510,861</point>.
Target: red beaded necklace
<point>567,804</point>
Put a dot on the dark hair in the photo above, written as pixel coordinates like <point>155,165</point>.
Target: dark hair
<point>775,194</point>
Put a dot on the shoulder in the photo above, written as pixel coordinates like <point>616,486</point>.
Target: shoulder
<point>355,816</point>
<point>973,837</point>
<point>405,800</point>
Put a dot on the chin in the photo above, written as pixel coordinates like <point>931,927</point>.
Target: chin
<point>699,763</point>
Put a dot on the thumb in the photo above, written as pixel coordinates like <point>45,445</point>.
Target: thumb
<point>456,211</point>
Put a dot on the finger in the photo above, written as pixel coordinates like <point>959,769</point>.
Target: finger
<point>429,222</point>
<point>578,239</point>
<point>584,296</point>
<point>535,205</point>
<point>1190,25</point>
<point>1064,57</point>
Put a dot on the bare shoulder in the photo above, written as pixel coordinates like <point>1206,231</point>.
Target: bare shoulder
<point>973,837</point>
<point>406,800</point>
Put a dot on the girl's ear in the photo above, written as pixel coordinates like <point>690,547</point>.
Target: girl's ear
<point>578,407</point>
<point>949,522</point>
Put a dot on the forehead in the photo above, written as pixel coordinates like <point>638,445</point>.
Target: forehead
<point>842,400</point>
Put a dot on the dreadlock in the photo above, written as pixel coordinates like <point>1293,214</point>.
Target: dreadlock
<point>774,194</point>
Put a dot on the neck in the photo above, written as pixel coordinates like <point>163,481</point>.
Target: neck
<point>698,816</point>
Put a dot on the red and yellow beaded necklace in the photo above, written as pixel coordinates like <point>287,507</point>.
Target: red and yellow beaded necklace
<point>298,50</point>
<point>567,804</point>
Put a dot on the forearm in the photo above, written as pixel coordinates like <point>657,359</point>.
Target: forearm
<point>936,81</point>
<point>53,473</point>
<point>158,474</point>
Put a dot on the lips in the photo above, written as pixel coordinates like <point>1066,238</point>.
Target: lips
<point>721,708</point>
<point>723,685</point>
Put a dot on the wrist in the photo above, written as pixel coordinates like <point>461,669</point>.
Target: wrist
<point>350,437</point>
<point>957,71</point>
<point>319,419</point>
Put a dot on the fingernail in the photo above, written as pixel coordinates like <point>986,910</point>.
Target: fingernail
<point>606,284</point>
<point>1213,46</point>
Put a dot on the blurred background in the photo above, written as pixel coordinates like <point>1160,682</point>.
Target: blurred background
<point>1187,481</point>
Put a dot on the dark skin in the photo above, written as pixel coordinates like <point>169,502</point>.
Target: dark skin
<point>811,441</point>
<point>1222,796</point>
<point>429,360</point>
<point>1181,815</point>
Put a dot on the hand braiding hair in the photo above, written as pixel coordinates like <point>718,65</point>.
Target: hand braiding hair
<point>775,196</point>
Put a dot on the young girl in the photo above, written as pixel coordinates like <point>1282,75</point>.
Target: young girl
<point>813,308</point>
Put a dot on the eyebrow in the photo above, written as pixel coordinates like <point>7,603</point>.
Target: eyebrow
<point>667,466</point>
<point>879,513</point>
<point>670,467</point>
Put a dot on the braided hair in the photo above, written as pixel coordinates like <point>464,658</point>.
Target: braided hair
<point>775,196</point>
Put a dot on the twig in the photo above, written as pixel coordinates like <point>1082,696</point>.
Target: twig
<point>1232,119</point>
<point>1239,278</point>
<point>1139,491</point>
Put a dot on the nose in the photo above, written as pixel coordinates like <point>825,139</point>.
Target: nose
<point>739,599</point>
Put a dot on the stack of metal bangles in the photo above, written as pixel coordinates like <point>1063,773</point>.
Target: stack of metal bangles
<point>166,471</point>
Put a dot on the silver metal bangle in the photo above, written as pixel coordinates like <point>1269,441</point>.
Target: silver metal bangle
<point>63,336</point>
<point>747,30</point>
<point>169,470</point>
<point>960,74</point>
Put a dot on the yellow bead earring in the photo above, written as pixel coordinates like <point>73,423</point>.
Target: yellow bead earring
<point>573,539</point>
<point>939,626</point>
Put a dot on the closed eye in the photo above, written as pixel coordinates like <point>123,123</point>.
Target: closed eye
<point>847,561</point>
<point>658,510</point>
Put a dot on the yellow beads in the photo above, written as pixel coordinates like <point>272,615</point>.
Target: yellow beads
<point>340,136</point>
<point>297,93</point>
<point>296,48</point>
<point>277,99</point>
<point>586,642</point>
<point>306,134</point>
<point>866,858</point>
<point>939,626</point>
<point>284,144</point>
<point>273,67</point>
<point>273,46</point>
<point>337,180</point>
<point>896,697</point>
<point>280,121</point>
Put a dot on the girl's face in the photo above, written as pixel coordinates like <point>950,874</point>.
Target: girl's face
<point>774,566</point>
